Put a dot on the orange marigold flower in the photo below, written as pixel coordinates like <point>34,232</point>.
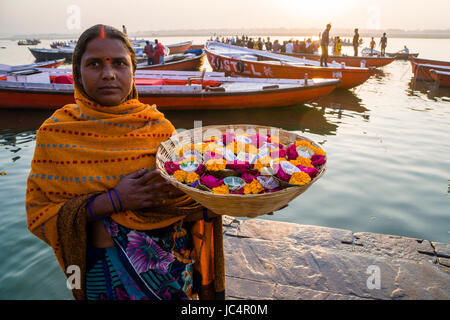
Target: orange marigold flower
<point>303,143</point>
<point>180,175</point>
<point>211,146</point>
<point>191,177</point>
<point>301,178</point>
<point>223,189</point>
<point>262,162</point>
<point>253,188</point>
<point>215,164</point>
<point>302,161</point>
<point>318,151</point>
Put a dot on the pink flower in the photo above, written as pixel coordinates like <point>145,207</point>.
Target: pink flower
<point>239,166</point>
<point>171,167</point>
<point>211,181</point>
<point>201,169</point>
<point>317,160</point>
<point>248,177</point>
<point>240,191</point>
<point>291,152</point>
<point>283,175</point>
<point>258,140</point>
<point>313,172</point>
<point>281,153</point>
<point>228,137</point>
<point>211,155</point>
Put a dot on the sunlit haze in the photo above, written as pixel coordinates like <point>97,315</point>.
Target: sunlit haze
<point>72,16</point>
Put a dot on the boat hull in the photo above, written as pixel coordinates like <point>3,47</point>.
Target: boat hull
<point>429,61</point>
<point>179,48</point>
<point>441,78</point>
<point>349,77</point>
<point>50,55</point>
<point>206,100</point>
<point>348,60</point>
<point>422,71</point>
<point>193,64</point>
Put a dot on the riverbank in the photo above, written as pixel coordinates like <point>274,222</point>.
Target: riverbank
<point>279,260</point>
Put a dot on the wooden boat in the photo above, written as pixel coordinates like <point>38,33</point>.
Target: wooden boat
<point>179,47</point>
<point>402,55</point>
<point>239,61</point>
<point>46,64</point>
<point>442,78</point>
<point>175,90</point>
<point>180,62</point>
<point>429,61</point>
<point>422,72</point>
<point>43,54</point>
<point>197,46</point>
<point>350,61</point>
<point>28,42</point>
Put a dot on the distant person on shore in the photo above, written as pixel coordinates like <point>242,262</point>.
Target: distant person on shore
<point>289,47</point>
<point>276,46</point>
<point>159,53</point>
<point>148,50</point>
<point>268,44</point>
<point>324,42</point>
<point>338,46</point>
<point>356,42</point>
<point>124,29</point>
<point>383,44</point>
<point>372,46</point>
<point>260,44</point>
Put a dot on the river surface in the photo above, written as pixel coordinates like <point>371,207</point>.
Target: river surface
<point>388,171</point>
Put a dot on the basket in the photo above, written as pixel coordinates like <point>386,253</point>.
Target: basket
<point>233,204</point>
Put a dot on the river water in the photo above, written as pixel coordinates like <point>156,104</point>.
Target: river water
<point>388,147</point>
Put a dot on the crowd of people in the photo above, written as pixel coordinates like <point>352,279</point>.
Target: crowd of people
<point>289,46</point>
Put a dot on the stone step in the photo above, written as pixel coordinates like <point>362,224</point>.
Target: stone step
<point>279,260</point>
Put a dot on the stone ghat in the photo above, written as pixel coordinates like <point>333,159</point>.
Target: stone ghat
<point>278,260</point>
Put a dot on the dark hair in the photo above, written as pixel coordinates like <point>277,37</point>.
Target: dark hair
<point>96,31</point>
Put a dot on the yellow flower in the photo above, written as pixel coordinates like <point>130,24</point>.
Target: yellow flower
<point>318,151</point>
<point>211,146</point>
<point>302,161</point>
<point>303,143</point>
<point>215,164</point>
<point>223,189</point>
<point>278,160</point>
<point>262,162</point>
<point>188,147</point>
<point>301,178</point>
<point>275,139</point>
<point>249,148</point>
<point>191,177</point>
<point>253,188</point>
<point>180,175</point>
<point>236,147</point>
<point>188,159</point>
<point>178,152</point>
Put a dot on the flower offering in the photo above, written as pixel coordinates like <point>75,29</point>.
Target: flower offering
<point>245,164</point>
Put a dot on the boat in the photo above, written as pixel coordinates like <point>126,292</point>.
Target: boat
<point>240,61</point>
<point>429,61</point>
<point>421,68</point>
<point>442,78</point>
<point>402,55</point>
<point>350,61</point>
<point>197,46</point>
<point>179,47</point>
<point>28,42</point>
<point>44,54</point>
<point>176,90</point>
<point>192,60</point>
<point>4,68</point>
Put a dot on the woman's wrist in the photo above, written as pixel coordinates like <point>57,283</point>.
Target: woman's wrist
<point>100,207</point>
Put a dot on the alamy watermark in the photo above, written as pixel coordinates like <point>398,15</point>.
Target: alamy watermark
<point>73,21</point>
<point>73,277</point>
<point>374,280</point>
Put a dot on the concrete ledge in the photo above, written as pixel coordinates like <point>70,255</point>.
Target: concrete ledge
<point>278,260</point>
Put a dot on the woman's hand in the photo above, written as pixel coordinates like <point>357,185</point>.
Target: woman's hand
<point>135,193</point>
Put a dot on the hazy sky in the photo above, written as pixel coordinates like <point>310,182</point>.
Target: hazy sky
<point>73,16</point>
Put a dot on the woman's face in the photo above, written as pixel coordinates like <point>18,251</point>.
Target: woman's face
<point>107,71</point>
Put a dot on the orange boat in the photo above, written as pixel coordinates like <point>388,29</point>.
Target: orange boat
<point>429,61</point>
<point>180,62</point>
<point>442,78</point>
<point>175,90</point>
<point>179,47</point>
<point>239,61</point>
<point>348,60</point>
<point>423,71</point>
<point>197,46</point>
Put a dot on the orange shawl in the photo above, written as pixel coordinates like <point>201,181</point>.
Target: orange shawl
<point>85,148</point>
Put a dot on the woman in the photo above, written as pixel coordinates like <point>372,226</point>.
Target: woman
<point>93,194</point>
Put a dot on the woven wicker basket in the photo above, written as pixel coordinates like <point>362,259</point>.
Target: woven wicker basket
<point>232,204</point>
